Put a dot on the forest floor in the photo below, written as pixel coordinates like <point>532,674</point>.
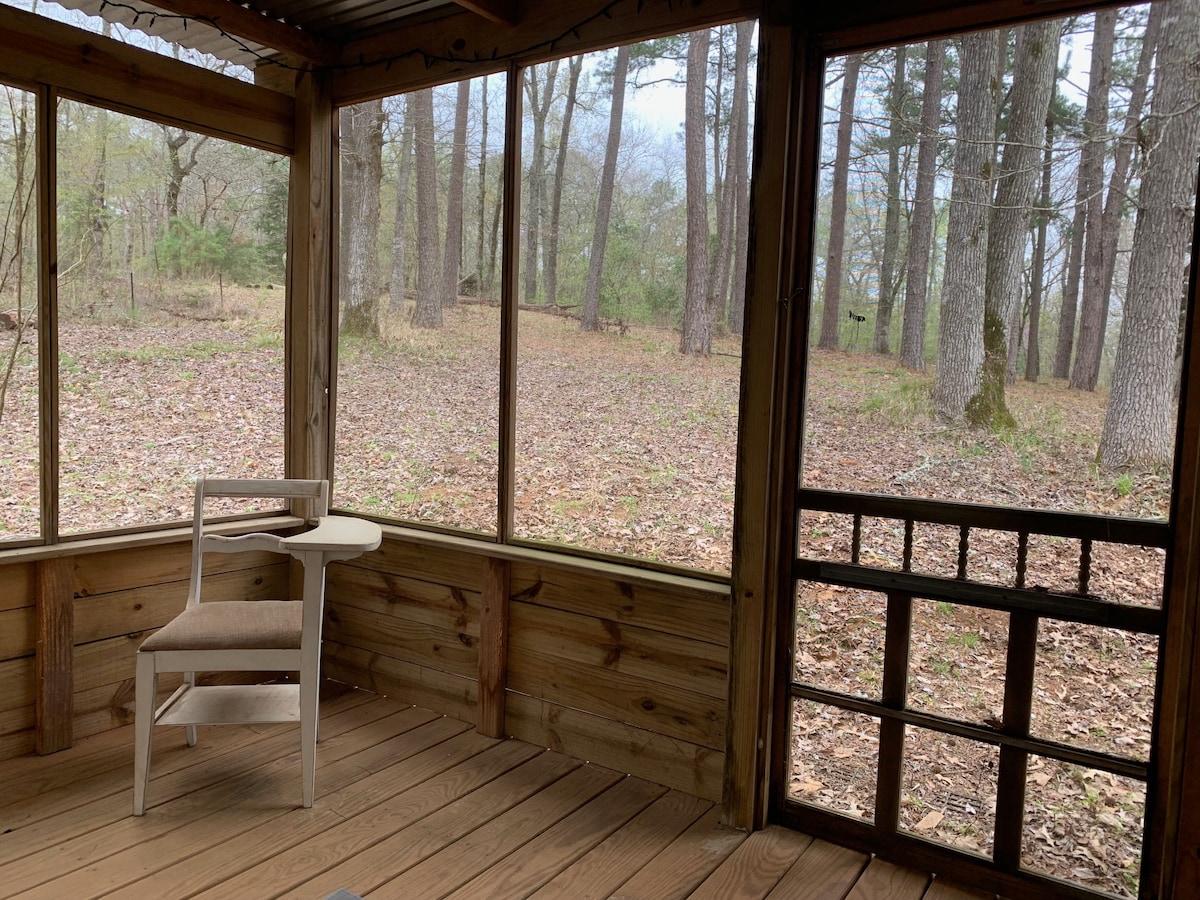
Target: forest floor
<point>868,428</point>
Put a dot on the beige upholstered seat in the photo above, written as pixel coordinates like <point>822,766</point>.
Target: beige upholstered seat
<point>263,635</point>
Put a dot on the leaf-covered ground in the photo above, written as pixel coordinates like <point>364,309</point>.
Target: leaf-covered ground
<point>625,447</point>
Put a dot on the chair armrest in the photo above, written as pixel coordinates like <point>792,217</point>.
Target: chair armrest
<point>338,534</point>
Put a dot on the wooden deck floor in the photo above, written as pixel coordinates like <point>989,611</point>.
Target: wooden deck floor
<point>409,804</point>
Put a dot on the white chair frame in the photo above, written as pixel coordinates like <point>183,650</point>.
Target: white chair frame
<point>333,538</point>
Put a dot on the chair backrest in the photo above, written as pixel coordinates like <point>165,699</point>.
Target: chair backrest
<point>283,488</point>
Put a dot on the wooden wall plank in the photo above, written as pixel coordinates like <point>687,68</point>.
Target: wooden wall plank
<point>142,608</point>
<point>700,613</point>
<point>424,561</point>
<point>493,648</point>
<point>54,660</point>
<point>663,760</point>
<point>102,573</point>
<point>19,718</point>
<point>650,655</point>
<point>18,631</point>
<point>16,677</point>
<point>657,708</point>
<point>411,598</point>
<point>452,695</point>
<point>19,743</point>
<point>128,79</point>
<point>18,586</point>
<point>106,662</point>
<point>441,648</point>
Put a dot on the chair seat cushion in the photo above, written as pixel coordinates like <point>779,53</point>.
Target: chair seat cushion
<point>232,625</point>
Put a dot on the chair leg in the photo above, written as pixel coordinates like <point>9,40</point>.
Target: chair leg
<point>143,729</point>
<point>189,731</point>
<point>308,737</point>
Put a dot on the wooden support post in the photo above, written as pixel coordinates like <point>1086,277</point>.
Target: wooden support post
<point>763,501</point>
<point>890,773</point>
<point>312,283</point>
<point>493,647</point>
<point>1014,763</point>
<point>54,654</point>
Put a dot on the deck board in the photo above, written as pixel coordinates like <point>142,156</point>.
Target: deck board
<point>409,804</point>
<point>614,861</point>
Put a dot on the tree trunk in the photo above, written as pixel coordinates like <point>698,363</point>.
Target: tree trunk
<point>574,68</point>
<point>481,231</point>
<point>452,255</point>
<point>920,237</point>
<point>1093,314</point>
<point>428,311</point>
<point>899,135</point>
<point>723,203</point>
<point>400,229</point>
<point>960,335</point>
<point>1008,231</point>
<point>540,97</point>
<point>740,186</point>
<point>1118,185</point>
<point>590,320</point>
<point>362,172</point>
<point>1037,274</point>
<point>1139,427</point>
<point>696,337</point>
<point>831,314</point>
<point>1070,294</point>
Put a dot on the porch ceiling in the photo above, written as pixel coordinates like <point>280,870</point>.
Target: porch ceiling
<point>303,31</point>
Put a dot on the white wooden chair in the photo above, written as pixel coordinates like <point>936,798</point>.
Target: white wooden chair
<point>238,635</point>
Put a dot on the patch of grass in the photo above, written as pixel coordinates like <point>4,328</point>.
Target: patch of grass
<point>968,640</point>
<point>900,402</point>
<point>569,508</point>
<point>663,476</point>
<point>1123,484</point>
<point>266,340</point>
<point>940,666</point>
<point>1026,443</point>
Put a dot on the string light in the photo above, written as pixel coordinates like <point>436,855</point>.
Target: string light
<point>430,59</point>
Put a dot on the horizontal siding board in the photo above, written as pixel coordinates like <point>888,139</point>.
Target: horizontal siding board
<point>19,718</point>
<point>121,570</point>
<point>409,598</point>
<point>456,652</point>
<point>18,584</point>
<point>694,612</point>
<point>673,763</point>
<point>656,708</point>
<point>17,632</point>
<point>152,606</point>
<point>425,562</point>
<point>106,662</point>
<point>654,656</point>
<point>19,743</point>
<point>16,677</point>
<point>442,692</point>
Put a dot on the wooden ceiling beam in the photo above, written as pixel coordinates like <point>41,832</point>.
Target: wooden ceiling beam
<point>455,46</point>
<point>245,23</point>
<point>108,73</point>
<point>503,12</point>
